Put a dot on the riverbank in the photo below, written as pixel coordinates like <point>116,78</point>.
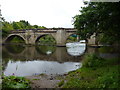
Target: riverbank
<point>96,72</point>
<point>44,81</point>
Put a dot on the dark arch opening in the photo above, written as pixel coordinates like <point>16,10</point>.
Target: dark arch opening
<point>45,40</point>
<point>71,38</point>
<point>15,39</point>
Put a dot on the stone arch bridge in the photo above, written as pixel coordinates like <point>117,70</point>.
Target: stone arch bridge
<point>30,36</point>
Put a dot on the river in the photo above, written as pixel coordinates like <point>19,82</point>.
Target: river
<point>22,60</point>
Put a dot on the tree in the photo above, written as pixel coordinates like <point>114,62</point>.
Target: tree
<point>16,25</point>
<point>6,28</point>
<point>99,18</point>
<point>24,24</point>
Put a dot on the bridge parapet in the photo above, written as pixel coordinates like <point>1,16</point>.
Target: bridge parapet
<point>67,29</point>
<point>48,30</point>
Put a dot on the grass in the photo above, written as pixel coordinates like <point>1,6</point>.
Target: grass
<point>96,72</point>
<point>15,82</point>
<point>42,74</point>
<point>35,79</point>
<point>60,83</point>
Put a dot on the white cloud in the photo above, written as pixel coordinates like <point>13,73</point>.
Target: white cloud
<point>49,13</point>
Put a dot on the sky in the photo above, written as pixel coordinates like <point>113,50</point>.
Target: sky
<point>48,13</point>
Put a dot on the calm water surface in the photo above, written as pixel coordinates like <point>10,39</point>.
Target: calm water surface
<point>21,60</point>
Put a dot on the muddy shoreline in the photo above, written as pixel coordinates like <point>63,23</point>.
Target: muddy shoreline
<point>45,81</point>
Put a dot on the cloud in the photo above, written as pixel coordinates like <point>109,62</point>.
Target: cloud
<point>49,13</point>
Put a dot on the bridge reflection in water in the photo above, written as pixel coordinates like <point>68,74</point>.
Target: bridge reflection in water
<point>25,61</point>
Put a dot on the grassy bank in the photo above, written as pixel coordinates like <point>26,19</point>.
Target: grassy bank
<point>15,82</point>
<point>96,72</point>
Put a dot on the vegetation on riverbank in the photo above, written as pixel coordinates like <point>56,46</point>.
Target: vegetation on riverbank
<point>14,82</point>
<point>100,18</point>
<point>22,24</point>
<point>96,72</point>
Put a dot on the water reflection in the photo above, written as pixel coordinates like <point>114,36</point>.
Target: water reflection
<point>15,49</point>
<point>26,61</point>
<point>44,49</point>
<point>76,49</point>
<point>37,67</point>
<point>38,59</point>
<point>109,52</point>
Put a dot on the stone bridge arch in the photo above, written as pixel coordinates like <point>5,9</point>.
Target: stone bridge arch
<point>42,35</point>
<point>10,36</point>
<point>69,34</point>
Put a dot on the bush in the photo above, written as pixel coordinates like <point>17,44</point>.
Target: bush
<point>60,83</point>
<point>15,82</point>
<point>92,60</point>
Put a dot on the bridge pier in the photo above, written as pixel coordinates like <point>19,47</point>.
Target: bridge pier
<point>61,38</point>
<point>30,37</point>
<point>31,41</point>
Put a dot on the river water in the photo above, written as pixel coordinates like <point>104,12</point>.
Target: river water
<point>21,60</point>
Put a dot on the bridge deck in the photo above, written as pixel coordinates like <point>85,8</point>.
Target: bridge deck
<point>43,30</point>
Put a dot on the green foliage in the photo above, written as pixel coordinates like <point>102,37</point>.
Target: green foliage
<point>100,18</point>
<point>16,25</point>
<point>47,39</point>
<point>106,39</point>
<point>22,24</point>
<point>104,77</point>
<point>60,83</point>
<point>16,39</point>
<point>101,73</point>
<point>15,82</point>
<point>106,49</point>
<point>6,27</point>
<point>109,79</point>
<point>71,39</point>
<point>4,33</point>
<point>92,60</point>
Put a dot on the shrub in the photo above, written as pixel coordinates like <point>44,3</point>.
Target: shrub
<point>15,82</point>
<point>60,83</point>
<point>92,60</point>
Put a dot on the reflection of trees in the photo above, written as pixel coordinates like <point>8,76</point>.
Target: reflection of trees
<point>15,49</point>
<point>109,49</point>
<point>7,50</point>
<point>21,53</point>
<point>25,54</point>
<point>42,49</point>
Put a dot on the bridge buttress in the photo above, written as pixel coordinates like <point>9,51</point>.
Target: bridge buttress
<point>61,38</point>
